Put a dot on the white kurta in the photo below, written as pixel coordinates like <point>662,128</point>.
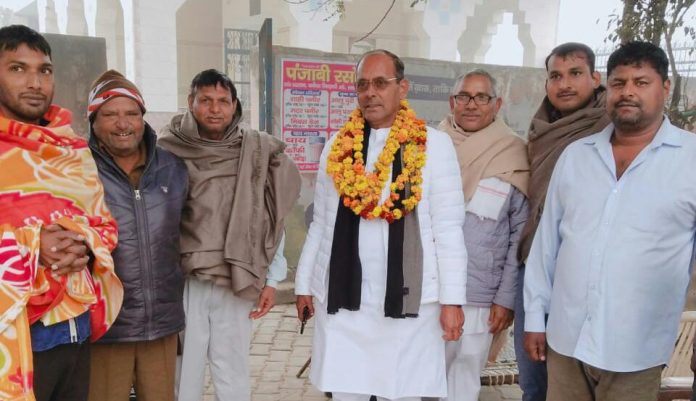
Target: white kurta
<point>364,352</point>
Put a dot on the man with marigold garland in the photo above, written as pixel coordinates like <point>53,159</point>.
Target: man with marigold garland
<point>383,267</point>
<point>495,172</point>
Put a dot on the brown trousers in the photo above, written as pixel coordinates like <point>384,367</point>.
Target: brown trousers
<point>148,365</point>
<point>571,379</point>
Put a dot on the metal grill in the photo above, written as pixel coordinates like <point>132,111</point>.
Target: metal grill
<point>238,45</point>
<point>684,54</point>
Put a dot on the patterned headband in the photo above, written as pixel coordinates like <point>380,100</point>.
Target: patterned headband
<point>97,98</point>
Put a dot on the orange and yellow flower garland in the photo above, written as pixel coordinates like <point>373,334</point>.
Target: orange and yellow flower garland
<point>361,190</point>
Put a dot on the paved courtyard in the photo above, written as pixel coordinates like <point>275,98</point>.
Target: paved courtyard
<point>278,352</point>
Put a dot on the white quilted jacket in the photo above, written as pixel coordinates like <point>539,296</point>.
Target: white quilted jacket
<point>440,215</point>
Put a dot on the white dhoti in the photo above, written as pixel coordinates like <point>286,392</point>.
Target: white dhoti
<point>218,329</point>
<point>467,357</point>
<point>362,352</point>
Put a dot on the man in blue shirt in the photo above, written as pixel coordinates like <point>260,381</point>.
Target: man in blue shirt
<point>610,260</point>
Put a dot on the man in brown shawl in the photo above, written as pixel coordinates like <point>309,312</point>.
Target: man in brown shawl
<point>495,172</point>
<point>242,186</point>
<point>574,107</point>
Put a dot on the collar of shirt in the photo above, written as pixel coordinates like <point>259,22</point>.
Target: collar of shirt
<point>138,169</point>
<point>602,143</point>
<point>664,136</point>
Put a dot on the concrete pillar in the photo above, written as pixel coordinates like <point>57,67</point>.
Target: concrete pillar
<point>41,13</point>
<point>445,21</point>
<point>542,28</point>
<point>313,25</point>
<point>536,21</point>
<point>236,14</point>
<point>77,24</point>
<point>488,32</point>
<point>90,7</point>
<point>153,61</point>
<point>129,39</point>
<point>480,26</point>
<point>109,24</point>
<point>61,9</point>
<point>47,16</point>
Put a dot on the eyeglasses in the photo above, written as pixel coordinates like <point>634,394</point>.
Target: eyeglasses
<point>378,83</point>
<point>481,100</point>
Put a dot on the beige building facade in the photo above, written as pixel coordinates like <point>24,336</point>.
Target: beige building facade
<point>161,44</point>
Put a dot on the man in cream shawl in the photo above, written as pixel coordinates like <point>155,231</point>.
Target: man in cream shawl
<point>242,186</point>
<point>495,172</point>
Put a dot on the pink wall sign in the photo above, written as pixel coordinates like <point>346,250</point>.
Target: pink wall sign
<point>317,99</point>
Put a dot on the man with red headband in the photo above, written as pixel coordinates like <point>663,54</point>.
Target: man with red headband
<point>146,188</point>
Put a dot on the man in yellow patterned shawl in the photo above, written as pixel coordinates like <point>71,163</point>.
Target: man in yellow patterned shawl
<point>57,286</point>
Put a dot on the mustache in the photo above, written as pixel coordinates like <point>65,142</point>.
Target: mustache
<point>621,103</point>
<point>33,95</point>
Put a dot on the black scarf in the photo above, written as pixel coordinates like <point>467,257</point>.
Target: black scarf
<point>345,269</point>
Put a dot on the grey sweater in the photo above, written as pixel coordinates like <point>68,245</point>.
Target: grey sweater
<point>492,248</point>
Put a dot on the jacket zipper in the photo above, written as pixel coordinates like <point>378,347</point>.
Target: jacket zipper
<point>142,234</point>
<point>145,257</point>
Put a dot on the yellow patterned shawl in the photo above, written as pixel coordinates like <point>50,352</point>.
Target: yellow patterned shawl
<point>48,176</point>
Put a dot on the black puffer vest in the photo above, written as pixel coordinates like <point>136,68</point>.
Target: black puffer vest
<point>147,257</point>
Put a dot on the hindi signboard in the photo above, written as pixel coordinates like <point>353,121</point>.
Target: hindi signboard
<point>317,99</point>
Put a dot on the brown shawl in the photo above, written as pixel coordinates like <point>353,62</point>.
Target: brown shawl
<point>494,151</point>
<point>549,134</point>
<point>267,187</point>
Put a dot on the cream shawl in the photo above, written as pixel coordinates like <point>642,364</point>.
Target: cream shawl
<point>494,151</point>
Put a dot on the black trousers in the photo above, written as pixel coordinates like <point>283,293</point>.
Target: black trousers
<point>62,373</point>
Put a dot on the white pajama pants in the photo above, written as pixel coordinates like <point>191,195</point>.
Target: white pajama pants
<point>366,397</point>
<point>467,357</point>
<point>218,328</point>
